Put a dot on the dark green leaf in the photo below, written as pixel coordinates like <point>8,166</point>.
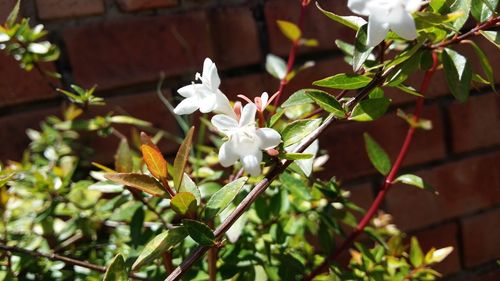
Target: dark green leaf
<point>371,109</point>
<point>485,64</point>
<point>223,197</point>
<point>458,74</point>
<point>378,157</point>
<point>327,102</point>
<point>181,158</point>
<point>482,10</point>
<point>200,232</point>
<point>139,181</point>
<point>136,224</point>
<point>298,130</point>
<point>349,21</point>
<point>158,245</point>
<point>344,81</point>
<point>183,203</point>
<point>117,271</point>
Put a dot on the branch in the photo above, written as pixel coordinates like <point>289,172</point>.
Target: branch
<point>389,181</point>
<point>56,257</point>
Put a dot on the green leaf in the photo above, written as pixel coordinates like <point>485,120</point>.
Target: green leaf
<point>158,245</point>
<point>129,120</point>
<point>298,130</point>
<point>458,74</point>
<point>223,197</point>
<point>464,7</point>
<point>183,203</point>
<point>414,181</point>
<point>117,271</point>
<point>154,160</point>
<point>181,158</point>
<point>378,157</point>
<point>123,157</point>
<point>298,98</point>
<point>437,4</point>
<point>276,66</point>
<point>349,21</point>
<point>136,225</point>
<point>296,187</point>
<point>416,255</point>
<point>187,185</point>
<point>482,10</point>
<point>485,64</point>
<point>296,156</point>
<point>11,19</point>
<point>492,36</point>
<point>344,81</point>
<point>139,181</point>
<point>290,30</point>
<point>361,50</point>
<point>369,110</point>
<point>327,102</point>
<point>200,232</point>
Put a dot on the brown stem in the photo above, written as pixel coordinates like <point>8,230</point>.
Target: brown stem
<point>212,264</point>
<point>167,262</point>
<point>67,260</point>
<point>389,181</point>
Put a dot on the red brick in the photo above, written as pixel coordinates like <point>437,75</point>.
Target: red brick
<point>18,86</point>
<point>122,53</point>
<point>55,9</point>
<point>249,85</point>
<point>475,124</point>
<point>361,195</point>
<point>235,37</point>
<point>440,237</point>
<point>137,5</point>
<point>5,8</point>
<point>480,237</point>
<point>493,275</point>
<point>316,24</point>
<point>464,186</point>
<point>345,144</point>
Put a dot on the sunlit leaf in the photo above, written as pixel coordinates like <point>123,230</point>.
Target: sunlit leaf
<point>181,158</point>
<point>369,110</point>
<point>223,197</point>
<point>200,232</point>
<point>458,73</point>
<point>183,203</point>
<point>290,30</point>
<point>139,181</point>
<point>117,270</point>
<point>344,81</point>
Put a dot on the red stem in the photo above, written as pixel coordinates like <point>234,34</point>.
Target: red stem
<point>293,53</point>
<point>389,181</point>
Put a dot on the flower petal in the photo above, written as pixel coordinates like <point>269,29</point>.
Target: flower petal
<point>359,7</point>
<point>377,30</point>
<point>222,105</point>
<point>264,99</point>
<point>208,101</point>
<point>403,24</point>
<point>248,114</point>
<point>189,90</point>
<point>187,106</point>
<point>269,138</point>
<point>227,155</point>
<point>210,74</point>
<point>224,123</point>
<point>251,163</point>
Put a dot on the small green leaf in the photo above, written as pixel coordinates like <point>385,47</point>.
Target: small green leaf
<point>297,130</point>
<point>415,181</point>
<point>11,19</point>
<point>327,102</point>
<point>123,157</point>
<point>223,197</point>
<point>482,10</point>
<point>298,98</point>
<point>462,6</point>
<point>158,245</point>
<point>369,110</point>
<point>458,74</point>
<point>378,157</point>
<point>296,187</point>
<point>290,30</point>
<point>344,81</point>
<point>187,185</point>
<point>139,181</point>
<point>200,232</point>
<point>296,156</point>
<point>181,158</point>
<point>276,66</point>
<point>485,64</point>
<point>416,255</point>
<point>361,50</point>
<point>349,21</point>
<point>183,203</point>
<point>117,271</point>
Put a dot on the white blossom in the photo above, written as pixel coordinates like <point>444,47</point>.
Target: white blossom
<point>245,141</point>
<point>206,95</point>
<point>385,15</point>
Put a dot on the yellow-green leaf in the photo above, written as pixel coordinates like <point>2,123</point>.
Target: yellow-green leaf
<point>290,30</point>
<point>139,181</point>
<point>223,197</point>
<point>117,271</point>
<point>183,203</point>
<point>123,157</point>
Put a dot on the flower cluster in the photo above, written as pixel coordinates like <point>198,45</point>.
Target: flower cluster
<point>245,141</point>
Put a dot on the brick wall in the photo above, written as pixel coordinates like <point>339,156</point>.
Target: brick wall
<point>124,45</point>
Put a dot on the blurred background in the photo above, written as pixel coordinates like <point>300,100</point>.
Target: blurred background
<point>123,47</point>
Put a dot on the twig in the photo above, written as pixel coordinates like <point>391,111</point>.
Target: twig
<point>389,181</point>
<point>67,260</point>
<point>457,39</point>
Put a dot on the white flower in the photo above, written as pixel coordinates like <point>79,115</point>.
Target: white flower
<point>205,96</point>
<point>245,142</point>
<point>385,15</point>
